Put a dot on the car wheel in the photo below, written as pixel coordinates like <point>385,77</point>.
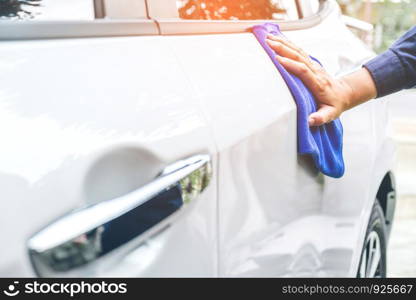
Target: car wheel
<point>373,256</point>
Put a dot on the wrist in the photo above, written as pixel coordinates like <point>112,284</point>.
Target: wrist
<point>359,88</point>
<point>349,94</point>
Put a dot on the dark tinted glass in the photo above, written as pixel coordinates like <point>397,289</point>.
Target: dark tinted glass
<point>47,9</point>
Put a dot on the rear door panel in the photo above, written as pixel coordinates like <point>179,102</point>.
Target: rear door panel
<point>277,215</point>
<point>262,181</point>
<point>368,150</point>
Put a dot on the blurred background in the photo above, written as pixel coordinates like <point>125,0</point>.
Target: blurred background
<point>390,19</point>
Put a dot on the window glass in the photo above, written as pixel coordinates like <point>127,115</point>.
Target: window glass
<point>47,9</point>
<point>309,7</point>
<point>314,6</point>
<point>237,9</point>
<point>125,9</point>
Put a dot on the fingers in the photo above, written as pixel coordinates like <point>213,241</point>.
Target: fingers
<point>297,62</point>
<point>287,43</point>
<point>325,114</point>
<point>288,52</point>
<point>300,70</point>
<point>284,48</point>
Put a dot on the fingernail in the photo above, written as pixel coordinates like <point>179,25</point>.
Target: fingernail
<point>311,121</point>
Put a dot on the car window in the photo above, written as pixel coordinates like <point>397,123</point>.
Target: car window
<point>124,9</point>
<point>71,9</point>
<point>309,7</point>
<point>47,9</point>
<point>237,9</point>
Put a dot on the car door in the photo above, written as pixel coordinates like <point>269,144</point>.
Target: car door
<point>368,148</point>
<point>278,216</point>
<point>108,165</point>
<point>270,200</point>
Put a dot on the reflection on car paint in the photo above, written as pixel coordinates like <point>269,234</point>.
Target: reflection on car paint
<point>121,230</point>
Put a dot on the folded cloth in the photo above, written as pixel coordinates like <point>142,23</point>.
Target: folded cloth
<point>323,143</point>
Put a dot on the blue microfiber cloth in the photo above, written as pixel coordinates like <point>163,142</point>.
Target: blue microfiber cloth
<point>323,143</point>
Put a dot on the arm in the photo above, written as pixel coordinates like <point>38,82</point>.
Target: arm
<point>377,78</point>
<point>395,69</point>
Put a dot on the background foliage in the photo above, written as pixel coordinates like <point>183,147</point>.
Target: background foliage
<point>391,18</point>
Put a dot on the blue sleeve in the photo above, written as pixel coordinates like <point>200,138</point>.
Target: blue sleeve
<point>395,69</point>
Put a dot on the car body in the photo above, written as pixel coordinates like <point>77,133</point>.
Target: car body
<point>93,110</point>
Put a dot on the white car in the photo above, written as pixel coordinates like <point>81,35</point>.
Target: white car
<point>144,139</point>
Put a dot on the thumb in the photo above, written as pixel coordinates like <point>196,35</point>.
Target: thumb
<point>325,114</point>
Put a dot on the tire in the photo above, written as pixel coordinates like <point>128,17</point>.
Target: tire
<point>373,260</point>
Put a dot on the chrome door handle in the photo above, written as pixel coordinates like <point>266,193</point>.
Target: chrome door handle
<point>86,234</point>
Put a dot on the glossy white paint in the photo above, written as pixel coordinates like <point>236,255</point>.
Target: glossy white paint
<point>277,215</point>
<point>64,105</point>
<point>144,102</point>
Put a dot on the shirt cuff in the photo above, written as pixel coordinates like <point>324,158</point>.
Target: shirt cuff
<point>387,72</point>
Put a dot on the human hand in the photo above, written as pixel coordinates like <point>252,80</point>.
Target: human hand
<point>333,95</point>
